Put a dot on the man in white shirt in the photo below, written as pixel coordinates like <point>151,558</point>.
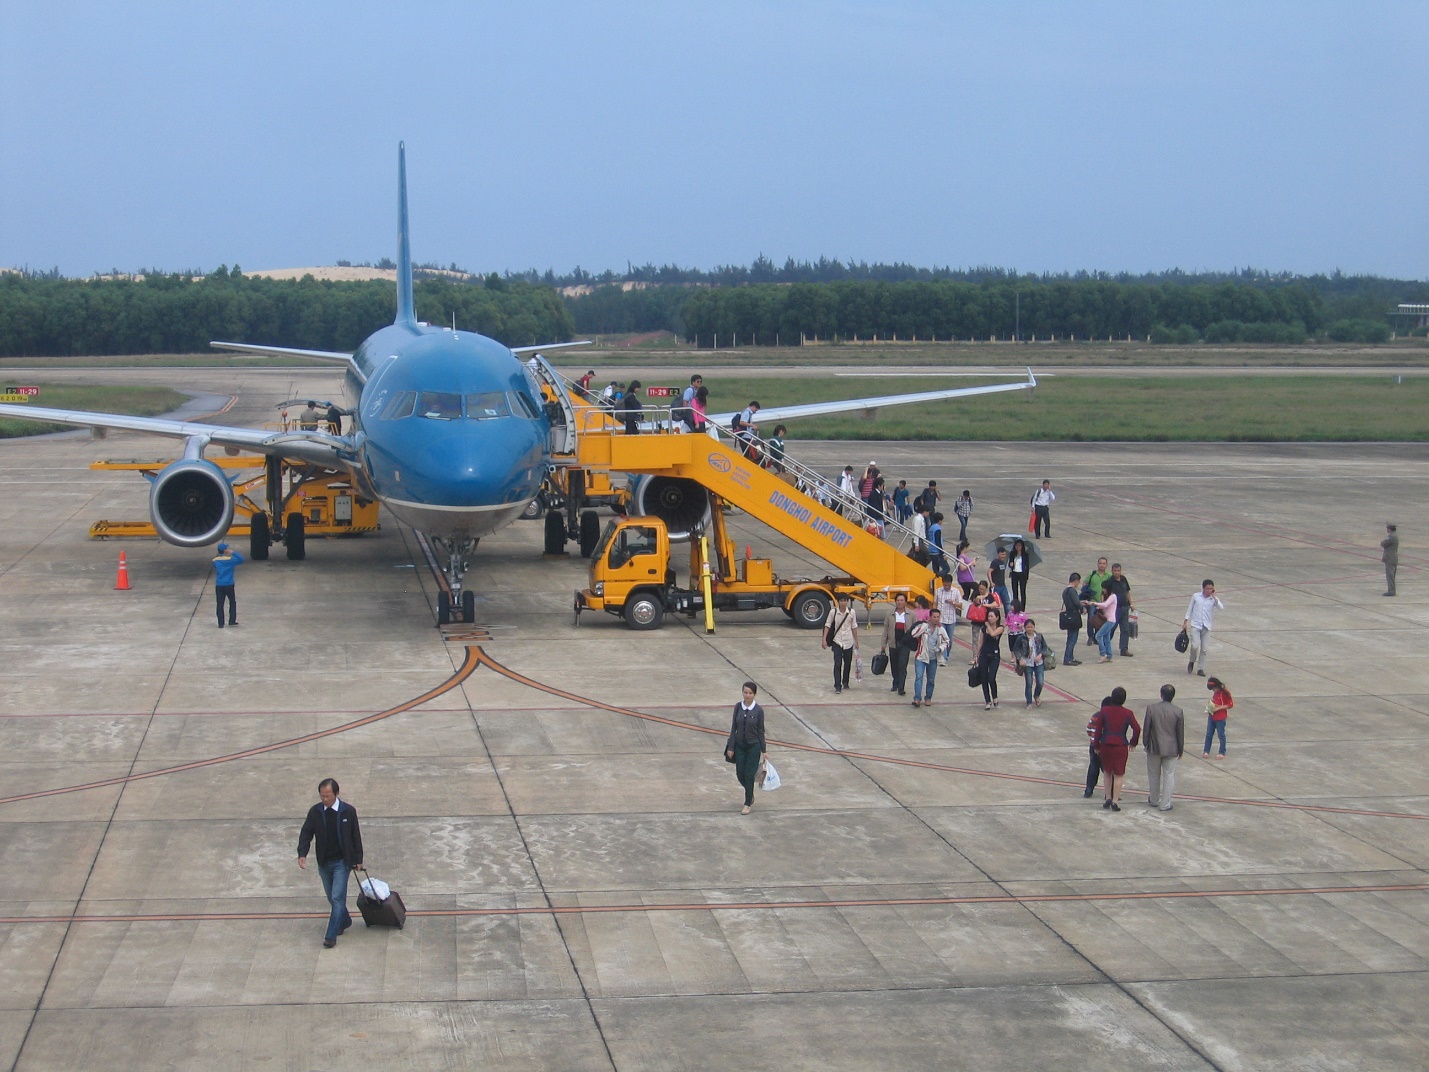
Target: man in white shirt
<point>948,601</point>
<point>1199,617</point>
<point>1042,500</point>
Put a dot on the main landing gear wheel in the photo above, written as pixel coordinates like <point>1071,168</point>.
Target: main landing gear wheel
<point>444,608</point>
<point>644,611</point>
<point>590,532</point>
<point>555,533</point>
<point>258,538</point>
<point>468,607</point>
<point>296,538</point>
<point>811,610</point>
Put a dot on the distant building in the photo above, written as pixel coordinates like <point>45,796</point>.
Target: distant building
<point>1420,313</point>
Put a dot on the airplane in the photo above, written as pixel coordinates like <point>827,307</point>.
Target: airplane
<point>449,433</point>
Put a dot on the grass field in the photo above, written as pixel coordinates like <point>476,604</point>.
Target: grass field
<point>135,401</point>
<point>1194,408</point>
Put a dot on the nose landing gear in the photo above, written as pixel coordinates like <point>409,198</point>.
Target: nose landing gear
<point>455,600</point>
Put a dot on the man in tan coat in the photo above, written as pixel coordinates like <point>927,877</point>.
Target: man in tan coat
<point>1163,735</point>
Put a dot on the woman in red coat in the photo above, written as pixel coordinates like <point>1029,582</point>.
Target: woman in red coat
<point>1110,725</point>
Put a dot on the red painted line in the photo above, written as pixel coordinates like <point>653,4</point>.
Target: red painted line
<point>522,679</point>
<point>747,906</point>
<point>468,666</point>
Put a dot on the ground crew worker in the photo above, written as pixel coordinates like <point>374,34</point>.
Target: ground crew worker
<point>223,564</point>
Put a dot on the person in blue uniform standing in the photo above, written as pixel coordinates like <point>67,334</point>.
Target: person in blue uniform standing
<point>223,564</point>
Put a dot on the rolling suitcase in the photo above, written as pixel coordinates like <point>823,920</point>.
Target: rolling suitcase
<point>388,912</point>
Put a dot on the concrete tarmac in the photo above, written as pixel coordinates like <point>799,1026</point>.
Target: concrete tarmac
<point>929,889</point>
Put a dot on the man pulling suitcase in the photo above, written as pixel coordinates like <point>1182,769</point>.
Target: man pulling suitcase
<point>333,824</point>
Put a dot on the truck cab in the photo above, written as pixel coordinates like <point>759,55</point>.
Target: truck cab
<point>631,575</point>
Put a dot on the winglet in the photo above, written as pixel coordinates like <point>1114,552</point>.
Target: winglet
<point>1031,379</point>
<point>406,310</point>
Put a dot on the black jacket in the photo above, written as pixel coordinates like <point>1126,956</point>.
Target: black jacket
<point>746,728</point>
<point>1071,605</point>
<point>348,833</point>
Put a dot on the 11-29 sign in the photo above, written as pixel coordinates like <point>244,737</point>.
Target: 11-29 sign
<point>19,394</point>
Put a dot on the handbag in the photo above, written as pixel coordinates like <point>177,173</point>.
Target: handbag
<point>879,664</point>
<point>1183,641</point>
<point>907,640</point>
<point>977,613</point>
<point>1049,660</point>
<point>1032,520</point>
<point>975,675</point>
<point>1133,625</point>
<point>1098,619</point>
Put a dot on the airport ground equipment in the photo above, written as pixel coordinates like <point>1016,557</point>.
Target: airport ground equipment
<point>682,485</point>
<point>267,499</point>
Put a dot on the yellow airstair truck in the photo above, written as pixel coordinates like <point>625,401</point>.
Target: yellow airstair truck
<point>683,482</point>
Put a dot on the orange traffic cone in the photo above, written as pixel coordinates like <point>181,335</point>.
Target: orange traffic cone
<point>122,583</point>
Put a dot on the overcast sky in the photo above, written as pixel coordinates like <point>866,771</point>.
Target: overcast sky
<point>1040,137</point>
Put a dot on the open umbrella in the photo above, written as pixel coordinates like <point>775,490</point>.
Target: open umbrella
<point>1007,539</point>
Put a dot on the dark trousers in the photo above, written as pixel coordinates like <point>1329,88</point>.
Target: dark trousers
<point>1071,649</point>
<point>1094,769</point>
<point>1043,523</point>
<point>222,592</point>
<point>746,768</point>
<point>1122,617</point>
<point>843,663</point>
<point>962,528</point>
<point>1019,588</point>
<point>898,665</point>
<point>988,666</point>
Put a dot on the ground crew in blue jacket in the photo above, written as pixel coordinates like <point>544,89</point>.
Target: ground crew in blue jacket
<point>223,564</point>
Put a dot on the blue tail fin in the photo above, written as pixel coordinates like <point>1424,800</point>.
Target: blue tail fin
<point>406,311</point>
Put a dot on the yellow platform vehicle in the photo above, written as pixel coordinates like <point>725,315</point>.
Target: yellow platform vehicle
<point>633,575</point>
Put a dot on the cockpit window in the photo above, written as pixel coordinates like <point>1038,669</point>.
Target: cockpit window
<point>486,405</point>
<point>439,405</point>
<point>520,403</point>
<point>398,405</point>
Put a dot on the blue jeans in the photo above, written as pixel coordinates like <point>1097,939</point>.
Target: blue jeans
<point>1006,597</point>
<point>334,876</point>
<point>962,528</point>
<point>1214,729</point>
<point>923,672</point>
<point>947,628</point>
<point>1028,673</point>
<point>1104,639</point>
<point>1072,635</point>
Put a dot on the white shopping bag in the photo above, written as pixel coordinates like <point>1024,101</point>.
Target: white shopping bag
<point>376,889</point>
<point>771,777</point>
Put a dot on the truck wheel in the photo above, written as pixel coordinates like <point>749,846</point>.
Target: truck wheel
<point>468,607</point>
<point>644,610</point>
<point>444,608</point>
<point>535,509</point>
<point>555,533</point>
<point>258,538</point>
<point>297,537</point>
<point>811,609</point>
<point>590,532</point>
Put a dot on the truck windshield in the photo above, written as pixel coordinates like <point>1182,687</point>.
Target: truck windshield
<point>605,537</point>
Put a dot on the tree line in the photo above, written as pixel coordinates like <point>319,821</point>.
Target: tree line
<point>44,316</point>
<point>1088,308</point>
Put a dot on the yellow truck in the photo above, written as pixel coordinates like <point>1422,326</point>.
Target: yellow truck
<point>632,574</point>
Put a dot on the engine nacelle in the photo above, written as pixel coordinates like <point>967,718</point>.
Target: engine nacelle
<point>682,504</point>
<point>191,503</point>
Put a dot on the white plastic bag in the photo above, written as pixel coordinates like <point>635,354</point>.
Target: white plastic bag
<point>771,777</point>
<point>376,889</point>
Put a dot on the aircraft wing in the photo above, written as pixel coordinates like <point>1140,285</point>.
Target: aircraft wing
<point>867,405</point>
<point>548,346</point>
<point>282,351</point>
<point>333,452</point>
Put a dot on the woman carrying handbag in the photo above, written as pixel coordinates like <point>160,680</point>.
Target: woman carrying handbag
<point>745,747</point>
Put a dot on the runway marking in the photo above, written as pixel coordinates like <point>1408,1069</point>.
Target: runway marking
<point>744,906</point>
<point>467,668</point>
<point>522,679</point>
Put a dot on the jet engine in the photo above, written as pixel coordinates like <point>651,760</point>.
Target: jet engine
<point>191,503</point>
<point>682,504</point>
